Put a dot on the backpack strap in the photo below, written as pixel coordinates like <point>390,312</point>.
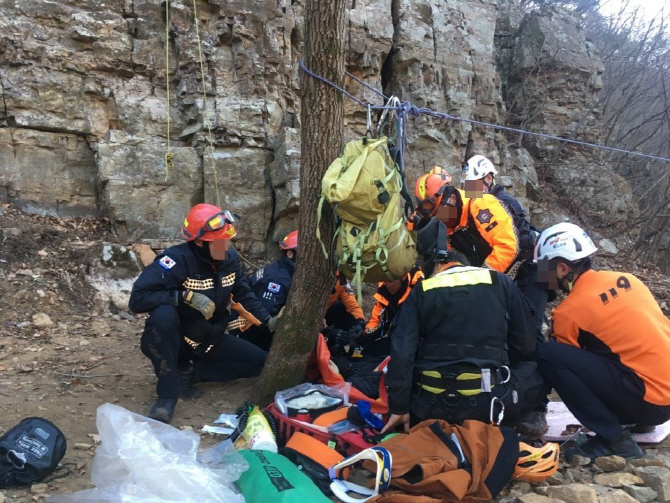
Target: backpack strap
<point>396,155</point>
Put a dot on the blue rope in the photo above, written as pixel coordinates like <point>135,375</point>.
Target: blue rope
<point>406,108</point>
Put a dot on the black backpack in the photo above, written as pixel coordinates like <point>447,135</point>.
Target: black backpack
<point>30,451</point>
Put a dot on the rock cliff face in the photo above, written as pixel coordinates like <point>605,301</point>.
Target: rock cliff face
<point>84,110</point>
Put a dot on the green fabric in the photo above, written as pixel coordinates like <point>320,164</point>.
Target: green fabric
<point>273,478</point>
<point>363,186</point>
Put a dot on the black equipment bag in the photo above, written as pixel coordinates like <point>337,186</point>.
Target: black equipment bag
<point>30,451</point>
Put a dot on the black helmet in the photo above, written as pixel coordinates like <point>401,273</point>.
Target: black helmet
<point>431,244</point>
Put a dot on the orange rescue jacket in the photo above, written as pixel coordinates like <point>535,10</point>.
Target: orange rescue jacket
<point>615,314</point>
<point>382,301</point>
<point>346,295</point>
<point>487,220</point>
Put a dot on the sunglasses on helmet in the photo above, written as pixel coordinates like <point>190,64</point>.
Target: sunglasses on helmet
<point>426,206</point>
<point>219,221</point>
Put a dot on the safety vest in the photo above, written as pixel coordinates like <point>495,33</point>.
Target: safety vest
<point>456,333</point>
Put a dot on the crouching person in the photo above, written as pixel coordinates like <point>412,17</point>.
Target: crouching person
<point>611,345</point>
<point>458,351</point>
<point>187,290</point>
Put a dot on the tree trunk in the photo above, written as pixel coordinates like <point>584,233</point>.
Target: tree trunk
<point>321,141</point>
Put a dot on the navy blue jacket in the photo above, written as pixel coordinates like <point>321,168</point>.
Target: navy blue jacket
<point>272,283</point>
<point>183,267</point>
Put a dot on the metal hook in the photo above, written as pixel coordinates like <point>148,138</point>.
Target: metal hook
<point>501,415</point>
<point>368,130</point>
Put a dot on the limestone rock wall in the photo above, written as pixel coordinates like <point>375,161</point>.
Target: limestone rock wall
<point>84,109</point>
<point>551,77</point>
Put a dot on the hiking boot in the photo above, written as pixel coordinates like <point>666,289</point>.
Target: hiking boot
<point>532,425</point>
<point>187,391</point>
<point>163,409</point>
<point>642,428</point>
<point>596,447</point>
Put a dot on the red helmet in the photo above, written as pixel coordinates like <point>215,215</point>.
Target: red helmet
<point>208,223</point>
<point>290,242</point>
<point>429,188</point>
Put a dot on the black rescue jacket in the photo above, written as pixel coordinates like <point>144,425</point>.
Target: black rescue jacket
<point>183,267</point>
<point>272,283</point>
<point>461,315</point>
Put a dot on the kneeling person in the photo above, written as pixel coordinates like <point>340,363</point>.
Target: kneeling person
<point>449,360</point>
<point>187,290</point>
<point>608,359</point>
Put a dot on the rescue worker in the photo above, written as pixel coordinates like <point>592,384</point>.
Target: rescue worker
<point>344,312</point>
<point>449,360</point>
<point>389,298</point>
<point>610,348</point>
<point>271,285</point>
<point>478,178</point>
<point>187,290</point>
<point>428,194</point>
<point>482,229</point>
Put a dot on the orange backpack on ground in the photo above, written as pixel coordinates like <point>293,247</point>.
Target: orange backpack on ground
<point>439,462</point>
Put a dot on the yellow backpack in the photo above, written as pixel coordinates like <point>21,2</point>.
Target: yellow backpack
<point>363,185</point>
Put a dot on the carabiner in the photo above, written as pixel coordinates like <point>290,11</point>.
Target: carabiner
<point>501,414</point>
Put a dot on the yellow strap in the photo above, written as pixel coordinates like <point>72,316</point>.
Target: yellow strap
<point>465,376</point>
<point>467,392</point>
<point>205,111</point>
<point>169,158</point>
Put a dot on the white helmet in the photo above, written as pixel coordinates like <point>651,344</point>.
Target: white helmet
<point>567,241</point>
<point>477,168</point>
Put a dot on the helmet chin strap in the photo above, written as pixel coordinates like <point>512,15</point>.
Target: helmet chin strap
<point>489,186</point>
<point>567,282</point>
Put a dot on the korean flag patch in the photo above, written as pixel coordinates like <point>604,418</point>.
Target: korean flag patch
<point>167,263</point>
<point>274,287</point>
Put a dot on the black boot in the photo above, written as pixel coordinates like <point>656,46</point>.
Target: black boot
<point>163,409</point>
<point>187,391</point>
<point>596,447</point>
<point>642,428</point>
<point>533,424</point>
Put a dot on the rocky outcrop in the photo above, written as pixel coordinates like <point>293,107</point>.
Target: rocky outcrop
<point>552,75</point>
<point>85,103</point>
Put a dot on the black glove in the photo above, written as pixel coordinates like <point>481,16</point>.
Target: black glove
<point>357,330</point>
<point>200,302</point>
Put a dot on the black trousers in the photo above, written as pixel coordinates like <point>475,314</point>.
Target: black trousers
<point>525,391</point>
<point>260,336</point>
<point>338,317</point>
<point>600,392</point>
<point>163,343</point>
<point>535,292</point>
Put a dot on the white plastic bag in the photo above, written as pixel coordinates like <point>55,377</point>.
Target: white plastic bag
<point>141,460</point>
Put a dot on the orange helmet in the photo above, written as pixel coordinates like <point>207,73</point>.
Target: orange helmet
<point>290,242</point>
<point>429,188</point>
<point>208,223</point>
<point>536,464</point>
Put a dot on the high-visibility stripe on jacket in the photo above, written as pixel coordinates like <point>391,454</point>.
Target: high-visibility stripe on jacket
<point>383,298</point>
<point>614,314</point>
